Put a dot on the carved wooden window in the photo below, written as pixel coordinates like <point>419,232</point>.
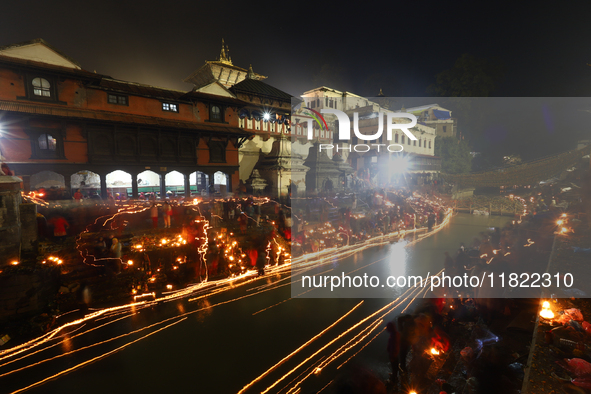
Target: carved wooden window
<point>217,152</point>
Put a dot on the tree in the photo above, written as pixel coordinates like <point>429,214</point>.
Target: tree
<point>469,77</point>
<point>455,155</point>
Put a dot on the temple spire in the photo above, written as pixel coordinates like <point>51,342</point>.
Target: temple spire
<point>250,74</point>
<point>225,54</point>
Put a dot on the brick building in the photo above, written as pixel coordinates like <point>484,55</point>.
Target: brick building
<point>64,126</point>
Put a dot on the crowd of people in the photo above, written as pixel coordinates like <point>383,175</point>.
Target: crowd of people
<point>355,218</point>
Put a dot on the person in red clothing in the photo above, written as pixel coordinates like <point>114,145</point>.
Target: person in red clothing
<point>4,170</point>
<point>78,196</point>
<point>60,226</point>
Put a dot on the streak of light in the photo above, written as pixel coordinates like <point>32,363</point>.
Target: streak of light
<point>48,336</point>
<point>340,351</point>
<point>363,347</point>
<point>325,346</point>
<point>201,287</point>
<point>77,366</point>
<point>284,359</point>
<point>87,347</point>
<point>322,389</point>
<point>313,366</point>
<point>388,307</point>
<point>343,349</point>
<point>281,302</point>
<point>57,344</point>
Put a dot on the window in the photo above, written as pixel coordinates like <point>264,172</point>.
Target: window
<point>326,101</point>
<point>445,129</point>
<point>41,87</point>
<point>420,143</point>
<point>170,107</point>
<point>313,104</point>
<point>217,152</point>
<point>117,99</point>
<point>396,138</point>
<point>429,144</point>
<point>47,142</point>
<point>414,142</point>
<point>215,113</point>
<point>402,139</point>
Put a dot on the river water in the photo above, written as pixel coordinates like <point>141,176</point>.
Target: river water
<point>223,342</point>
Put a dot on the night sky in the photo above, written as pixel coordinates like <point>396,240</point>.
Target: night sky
<point>542,46</point>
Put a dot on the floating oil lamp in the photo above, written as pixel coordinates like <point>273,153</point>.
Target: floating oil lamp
<point>434,351</point>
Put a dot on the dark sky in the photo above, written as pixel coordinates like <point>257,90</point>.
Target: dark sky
<point>397,45</point>
<point>543,45</point>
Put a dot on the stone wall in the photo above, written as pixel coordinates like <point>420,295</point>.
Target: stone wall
<point>27,293</point>
<point>10,226</point>
<point>28,216</point>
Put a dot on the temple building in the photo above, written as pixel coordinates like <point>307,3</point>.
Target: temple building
<point>434,116</point>
<point>63,126</point>
<point>271,158</point>
<point>375,163</point>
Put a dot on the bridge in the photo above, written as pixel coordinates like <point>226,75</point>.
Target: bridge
<point>530,173</point>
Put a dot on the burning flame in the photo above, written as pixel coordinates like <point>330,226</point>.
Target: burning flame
<point>434,351</point>
<point>546,312</point>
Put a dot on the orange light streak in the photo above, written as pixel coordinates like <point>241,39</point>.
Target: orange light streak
<point>268,371</point>
<point>77,366</point>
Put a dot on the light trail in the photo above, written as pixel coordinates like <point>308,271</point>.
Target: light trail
<point>389,307</point>
<point>207,288</point>
<point>325,346</point>
<point>311,367</point>
<point>59,343</point>
<point>268,371</point>
<point>77,366</point>
<point>363,347</point>
<point>281,302</point>
<point>86,347</point>
<point>328,384</point>
<point>343,349</point>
